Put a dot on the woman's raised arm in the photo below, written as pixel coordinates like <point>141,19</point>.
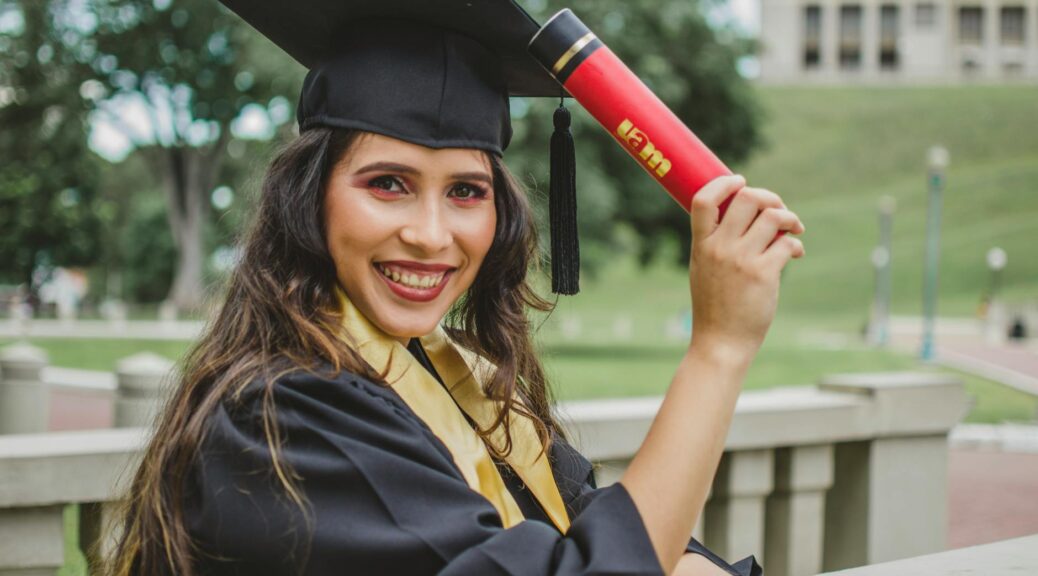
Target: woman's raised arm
<point>734,278</point>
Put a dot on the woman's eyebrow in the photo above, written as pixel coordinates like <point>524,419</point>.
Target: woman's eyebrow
<point>405,169</point>
<point>478,176</point>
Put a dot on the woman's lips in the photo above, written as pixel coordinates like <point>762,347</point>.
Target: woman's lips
<point>414,281</point>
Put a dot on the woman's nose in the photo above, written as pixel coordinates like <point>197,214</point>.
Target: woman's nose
<point>427,229</point>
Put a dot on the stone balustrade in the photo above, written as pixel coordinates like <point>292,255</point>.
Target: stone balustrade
<point>847,473</point>
<point>1013,557</point>
<point>850,472</point>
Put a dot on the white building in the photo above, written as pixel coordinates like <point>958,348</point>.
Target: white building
<point>893,41</point>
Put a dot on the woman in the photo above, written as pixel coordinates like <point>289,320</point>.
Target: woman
<point>326,424</point>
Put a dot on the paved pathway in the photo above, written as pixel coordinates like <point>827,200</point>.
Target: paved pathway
<point>1013,364</point>
<point>991,496</point>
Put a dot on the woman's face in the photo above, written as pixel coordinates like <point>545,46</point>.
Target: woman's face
<point>408,228</point>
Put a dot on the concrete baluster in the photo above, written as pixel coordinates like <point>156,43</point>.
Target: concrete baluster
<point>23,396</point>
<point>32,540</point>
<point>734,516</point>
<point>796,510</point>
<point>141,381</point>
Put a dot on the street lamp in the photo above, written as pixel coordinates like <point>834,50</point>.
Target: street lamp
<point>881,263</point>
<point>996,262</point>
<point>937,163</point>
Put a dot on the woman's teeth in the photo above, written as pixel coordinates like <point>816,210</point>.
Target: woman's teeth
<point>410,279</point>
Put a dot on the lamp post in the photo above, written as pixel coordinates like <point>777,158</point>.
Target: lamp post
<point>994,317</point>
<point>996,259</point>
<point>881,262</point>
<point>937,163</point>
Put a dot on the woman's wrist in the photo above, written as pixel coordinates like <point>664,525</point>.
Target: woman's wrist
<point>720,354</point>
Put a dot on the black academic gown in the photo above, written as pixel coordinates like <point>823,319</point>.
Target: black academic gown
<point>383,496</point>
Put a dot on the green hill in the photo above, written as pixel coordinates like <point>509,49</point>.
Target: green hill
<point>833,152</point>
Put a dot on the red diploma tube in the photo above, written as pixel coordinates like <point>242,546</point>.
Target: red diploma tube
<point>639,121</point>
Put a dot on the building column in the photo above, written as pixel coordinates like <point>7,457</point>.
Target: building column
<point>830,38</point>
<point>1031,38</point>
<point>992,39</point>
<point>869,38</point>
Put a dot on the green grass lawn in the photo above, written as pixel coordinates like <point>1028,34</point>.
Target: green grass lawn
<point>602,370</point>
<point>834,151</point>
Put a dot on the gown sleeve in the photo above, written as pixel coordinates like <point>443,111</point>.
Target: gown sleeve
<point>381,493</point>
<point>576,479</point>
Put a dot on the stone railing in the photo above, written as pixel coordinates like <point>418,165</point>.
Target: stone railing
<point>1014,557</point>
<point>30,390</point>
<point>42,473</point>
<point>847,473</point>
<point>850,472</point>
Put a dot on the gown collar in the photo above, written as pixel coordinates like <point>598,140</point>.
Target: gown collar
<point>437,405</point>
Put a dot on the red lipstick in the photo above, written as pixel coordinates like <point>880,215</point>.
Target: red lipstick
<point>415,294</point>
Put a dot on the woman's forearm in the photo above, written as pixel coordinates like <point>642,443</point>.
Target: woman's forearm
<point>734,272</point>
<point>671,474</point>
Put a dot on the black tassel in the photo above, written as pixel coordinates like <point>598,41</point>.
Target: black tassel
<point>562,206</point>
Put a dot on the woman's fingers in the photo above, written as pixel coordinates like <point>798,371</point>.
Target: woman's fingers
<point>707,201</point>
<point>769,223</point>
<point>744,209</point>
<point>781,251</point>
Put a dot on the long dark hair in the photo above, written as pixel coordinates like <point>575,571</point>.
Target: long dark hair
<point>281,314</point>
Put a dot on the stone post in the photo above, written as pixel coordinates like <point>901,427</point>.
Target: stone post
<point>734,515</point>
<point>23,396</point>
<point>32,540</point>
<point>889,496</point>
<point>140,388</point>
<point>796,510</point>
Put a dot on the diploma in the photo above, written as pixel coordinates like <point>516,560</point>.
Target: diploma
<point>635,117</point>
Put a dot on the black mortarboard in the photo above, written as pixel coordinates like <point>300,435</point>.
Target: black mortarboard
<point>432,72</point>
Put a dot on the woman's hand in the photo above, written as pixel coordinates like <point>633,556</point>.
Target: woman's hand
<point>735,265</point>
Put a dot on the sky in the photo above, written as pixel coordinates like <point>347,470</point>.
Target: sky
<point>747,14</point>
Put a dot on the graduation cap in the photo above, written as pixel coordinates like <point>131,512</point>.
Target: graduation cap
<point>435,73</point>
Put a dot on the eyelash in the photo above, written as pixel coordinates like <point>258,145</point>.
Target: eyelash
<point>478,192</point>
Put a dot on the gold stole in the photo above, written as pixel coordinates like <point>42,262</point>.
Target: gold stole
<point>435,406</point>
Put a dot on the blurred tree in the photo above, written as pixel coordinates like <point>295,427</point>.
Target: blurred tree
<point>186,83</point>
<point>692,67</point>
<point>137,244</point>
<point>47,176</point>
<point>178,78</point>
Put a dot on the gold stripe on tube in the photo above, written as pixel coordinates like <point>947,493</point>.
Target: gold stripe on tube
<point>573,51</point>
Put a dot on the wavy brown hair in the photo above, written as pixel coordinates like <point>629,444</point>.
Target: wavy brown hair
<point>280,314</point>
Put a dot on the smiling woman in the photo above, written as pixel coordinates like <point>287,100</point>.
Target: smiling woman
<point>408,228</point>
<point>368,398</point>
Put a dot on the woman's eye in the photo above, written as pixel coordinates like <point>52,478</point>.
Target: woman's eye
<point>468,192</point>
<point>386,183</point>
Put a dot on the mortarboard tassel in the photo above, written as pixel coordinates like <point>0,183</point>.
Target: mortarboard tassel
<point>562,208</point>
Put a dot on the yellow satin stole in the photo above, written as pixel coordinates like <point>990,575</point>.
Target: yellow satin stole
<point>434,405</point>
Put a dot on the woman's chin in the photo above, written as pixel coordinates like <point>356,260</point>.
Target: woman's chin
<point>412,328</point>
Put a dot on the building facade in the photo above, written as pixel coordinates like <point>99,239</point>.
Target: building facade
<point>898,41</point>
